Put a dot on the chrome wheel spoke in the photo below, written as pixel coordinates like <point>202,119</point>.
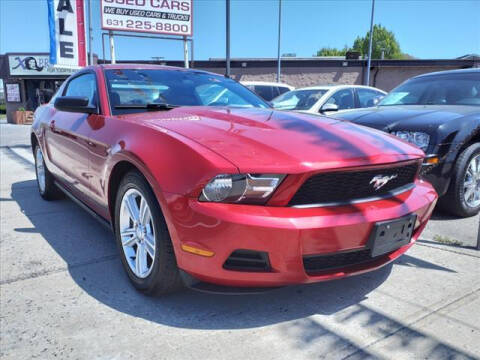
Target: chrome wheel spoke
<point>144,212</point>
<point>132,208</point>
<point>468,193</point>
<point>128,237</point>
<point>141,260</point>
<point>150,245</point>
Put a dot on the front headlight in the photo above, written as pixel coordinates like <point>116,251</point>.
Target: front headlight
<point>418,138</point>
<point>241,188</point>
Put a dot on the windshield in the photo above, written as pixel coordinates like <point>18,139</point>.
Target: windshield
<point>441,90</point>
<point>175,87</point>
<point>298,99</point>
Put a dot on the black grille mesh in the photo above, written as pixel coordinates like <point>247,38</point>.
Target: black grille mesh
<point>340,187</point>
<point>314,264</point>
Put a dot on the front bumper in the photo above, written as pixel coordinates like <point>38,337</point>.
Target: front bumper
<point>286,234</point>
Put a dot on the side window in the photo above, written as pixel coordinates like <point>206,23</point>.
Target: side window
<point>275,91</point>
<point>283,90</point>
<point>343,99</point>
<point>265,92</point>
<point>83,85</point>
<point>367,97</point>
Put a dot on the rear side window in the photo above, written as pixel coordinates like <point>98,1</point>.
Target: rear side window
<point>265,92</point>
<point>283,90</point>
<point>367,97</point>
<point>85,86</point>
<point>343,99</point>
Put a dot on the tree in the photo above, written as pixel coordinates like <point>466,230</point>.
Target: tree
<point>329,51</point>
<point>382,40</point>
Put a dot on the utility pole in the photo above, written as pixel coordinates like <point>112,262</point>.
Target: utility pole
<point>370,40</point>
<point>227,48</point>
<point>185,51</point>
<point>112,47</point>
<point>279,35</point>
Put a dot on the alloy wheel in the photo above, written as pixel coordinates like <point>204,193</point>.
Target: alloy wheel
<point>471,184</point>
<point>40,169</point>
<point>137,233</point>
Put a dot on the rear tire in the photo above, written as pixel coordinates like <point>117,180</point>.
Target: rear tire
<point>143,239</point>
<point>45,181</point>
<point>458,200</point>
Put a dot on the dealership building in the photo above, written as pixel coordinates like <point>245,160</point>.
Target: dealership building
<point>28,81</point>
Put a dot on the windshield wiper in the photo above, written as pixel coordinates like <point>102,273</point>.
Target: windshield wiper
<point>148,106</point>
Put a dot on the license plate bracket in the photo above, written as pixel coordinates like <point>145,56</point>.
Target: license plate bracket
<point>390,235</point>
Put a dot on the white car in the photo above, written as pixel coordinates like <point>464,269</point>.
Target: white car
<point>328,99</point>
<point>267,90</point>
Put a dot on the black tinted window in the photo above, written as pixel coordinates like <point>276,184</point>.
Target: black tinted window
<point>437,90</point>
<point>283,90</point>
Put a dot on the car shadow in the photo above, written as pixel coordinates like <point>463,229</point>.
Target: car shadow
<point>92,261</point>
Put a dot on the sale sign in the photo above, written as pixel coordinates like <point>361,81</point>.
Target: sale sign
<point>66,20</point>
<point>152,16</point>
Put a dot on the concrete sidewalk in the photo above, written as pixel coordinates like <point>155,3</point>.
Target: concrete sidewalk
<point>65,295</point>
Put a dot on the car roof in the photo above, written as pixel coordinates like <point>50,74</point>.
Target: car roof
<point>265,83</point>
<point>147,67</point>
<point>334,87</point>
<point>450,72</point>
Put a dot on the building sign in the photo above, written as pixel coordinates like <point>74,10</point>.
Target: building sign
<point>34,65</point>
<point>13,92</point>
<point>152,16</point>
<point>66,21</point>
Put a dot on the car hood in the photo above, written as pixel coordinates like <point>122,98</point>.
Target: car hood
<point>408,117</point>
<point>265,140</point>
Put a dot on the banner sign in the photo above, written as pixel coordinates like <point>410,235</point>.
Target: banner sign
<point>152,16</point>
<point>66,20</point>
<point>34,65</point>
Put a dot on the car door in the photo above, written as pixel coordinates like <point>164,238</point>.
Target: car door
<point>67,138</point>
<point>343,98</point>
<point>368,97</point>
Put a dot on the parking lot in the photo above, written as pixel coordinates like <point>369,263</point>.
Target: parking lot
<point>64,294</point>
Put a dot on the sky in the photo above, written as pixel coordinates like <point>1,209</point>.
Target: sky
<point>426,29</point>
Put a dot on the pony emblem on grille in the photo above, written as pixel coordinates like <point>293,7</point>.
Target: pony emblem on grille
<point>380,180</point>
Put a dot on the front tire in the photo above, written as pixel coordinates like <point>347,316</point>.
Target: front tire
<point>143,239</point>
<point>463,196</point>
<point>45,181</point>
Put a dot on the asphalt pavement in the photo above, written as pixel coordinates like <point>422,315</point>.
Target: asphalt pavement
<point>63,294</point>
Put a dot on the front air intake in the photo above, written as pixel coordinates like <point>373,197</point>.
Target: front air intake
<point>248,260</point>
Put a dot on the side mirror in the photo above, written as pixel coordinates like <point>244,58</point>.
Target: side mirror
<point>329,107</point>
<point>76,104</point>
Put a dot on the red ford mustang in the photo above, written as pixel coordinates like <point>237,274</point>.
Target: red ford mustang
<point>204,184</point>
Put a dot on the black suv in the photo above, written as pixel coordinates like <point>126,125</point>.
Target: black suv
<point>440,113</point>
